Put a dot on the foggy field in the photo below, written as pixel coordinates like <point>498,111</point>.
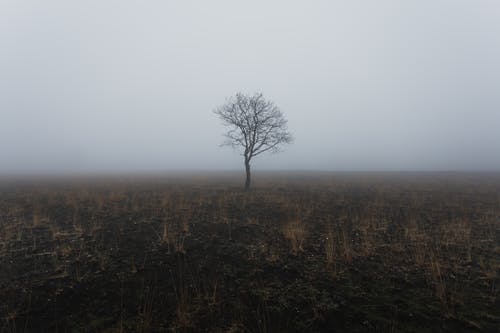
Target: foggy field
<point>309,252</point>
<point>110,109</point>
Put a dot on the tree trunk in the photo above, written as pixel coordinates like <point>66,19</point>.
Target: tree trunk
<point>247,169</point>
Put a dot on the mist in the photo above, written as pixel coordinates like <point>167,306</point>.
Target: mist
<point>130,86</point>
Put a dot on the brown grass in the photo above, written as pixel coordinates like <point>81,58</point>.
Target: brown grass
<point>295,232</point>
<point>436,237</point>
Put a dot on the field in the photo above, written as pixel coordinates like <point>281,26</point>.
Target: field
<point>317,252</point>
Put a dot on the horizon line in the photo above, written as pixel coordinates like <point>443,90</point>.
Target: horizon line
<point>174,172</point>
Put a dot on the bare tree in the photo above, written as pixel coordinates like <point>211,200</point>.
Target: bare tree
<point>256,125</point>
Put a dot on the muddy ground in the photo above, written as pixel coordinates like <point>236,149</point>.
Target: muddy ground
<point>300,253</point>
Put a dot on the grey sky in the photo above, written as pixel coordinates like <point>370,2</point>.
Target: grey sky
<point>365,85</point>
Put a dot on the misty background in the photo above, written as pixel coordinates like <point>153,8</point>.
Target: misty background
<point>366,85</point>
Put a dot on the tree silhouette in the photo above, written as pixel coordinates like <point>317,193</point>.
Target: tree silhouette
<point>256,125</point>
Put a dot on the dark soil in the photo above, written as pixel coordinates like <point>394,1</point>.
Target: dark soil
<point>310,253</point>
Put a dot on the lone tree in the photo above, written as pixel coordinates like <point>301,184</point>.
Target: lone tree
<point>256,125</point>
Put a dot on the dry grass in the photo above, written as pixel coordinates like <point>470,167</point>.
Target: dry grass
<point>436,273</point>
<point>330,251</point>
<point>445,237</point>
<point>295,232</point>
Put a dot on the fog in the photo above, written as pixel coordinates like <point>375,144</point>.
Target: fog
<point>365,85</point>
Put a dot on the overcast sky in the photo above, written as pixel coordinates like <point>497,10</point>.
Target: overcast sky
<point>366,85</point>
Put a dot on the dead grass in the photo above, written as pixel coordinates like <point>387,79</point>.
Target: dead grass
<point>446,238</point>
<point>330,251</point>
<point>295,232</point>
